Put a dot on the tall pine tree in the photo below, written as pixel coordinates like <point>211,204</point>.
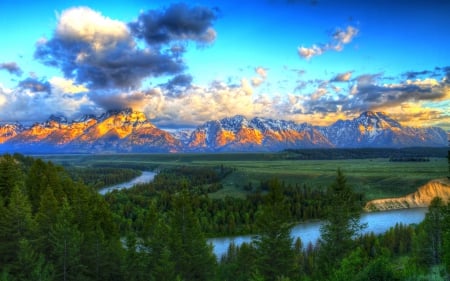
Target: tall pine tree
<point>274,244</point>
<point>66,241</point>
<point>341,225</point>
<point>191,254</point>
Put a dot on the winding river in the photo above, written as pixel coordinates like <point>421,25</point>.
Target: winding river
<point>309,232</point>
<point>145,177</point>
<point>377,223</point>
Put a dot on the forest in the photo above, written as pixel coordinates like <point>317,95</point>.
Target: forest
<point>54,225</point>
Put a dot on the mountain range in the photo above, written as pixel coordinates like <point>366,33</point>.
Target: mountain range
<point>128,131</point>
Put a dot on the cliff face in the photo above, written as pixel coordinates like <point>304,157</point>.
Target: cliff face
<point>421,198</point>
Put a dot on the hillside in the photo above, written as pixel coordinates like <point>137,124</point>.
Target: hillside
<point>421,198</point>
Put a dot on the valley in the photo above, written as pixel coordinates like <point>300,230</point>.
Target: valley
<point>374,177</point>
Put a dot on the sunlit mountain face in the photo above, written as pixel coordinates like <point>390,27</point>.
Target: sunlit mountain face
<point>129,131</point>
<point>234,75</point>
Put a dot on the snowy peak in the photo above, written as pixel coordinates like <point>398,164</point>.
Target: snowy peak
<point>131,131</point>
<point>371,119</point>
<point>259,134</point>
<point>376,129</point>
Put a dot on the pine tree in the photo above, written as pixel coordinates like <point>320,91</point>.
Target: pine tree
<point>192,255</point>
<point>46,218</point>
<point>66,241</point>
<point>341,224</point>
<point>32,265</point>
<point>276,255</point>
<point>430,240</point>
<point>10,176</point>
<point>16,223</point>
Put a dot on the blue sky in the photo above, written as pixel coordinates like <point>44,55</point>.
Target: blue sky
<point>186,63</point>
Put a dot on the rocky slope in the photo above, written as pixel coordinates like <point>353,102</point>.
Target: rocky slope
<point>421,198</point>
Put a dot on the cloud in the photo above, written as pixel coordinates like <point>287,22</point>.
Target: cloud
<point>420,96</point>
<point>262,75</point>
<point>101,53</point>
<point>35,85</point>
<point>178,22</point>
<point>339,38</point>
<point>342,37</point>
<point>11,67</point>
<point>178,84</point>
<point>36,99</point>
<point>308,53</point>
<point>67,86</point>
<point>342,77</point>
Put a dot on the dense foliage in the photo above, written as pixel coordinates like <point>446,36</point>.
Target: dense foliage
<point>55,228</point>
<point>100,177</point>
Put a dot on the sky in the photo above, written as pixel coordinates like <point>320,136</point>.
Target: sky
<point>184,63</point>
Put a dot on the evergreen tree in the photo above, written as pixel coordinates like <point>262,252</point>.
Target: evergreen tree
<point>446,238</point>
<point>341,224</point>
<point>158,255</point>
<point>16,223</point>
<point>276,256</point>
<point>10,176</point>
<point>429,245</point>
<point>191,254</point>
<point>66,241</point>
<point>32,265</point>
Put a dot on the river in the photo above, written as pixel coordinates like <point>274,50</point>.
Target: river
<point>377,223</point>
<point>145,177</point>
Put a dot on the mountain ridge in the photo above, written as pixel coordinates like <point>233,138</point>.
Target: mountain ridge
<point>127,131</point>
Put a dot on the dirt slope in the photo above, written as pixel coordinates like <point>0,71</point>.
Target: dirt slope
<point>421,198</point>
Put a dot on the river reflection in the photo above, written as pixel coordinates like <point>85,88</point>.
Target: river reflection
<point>377,223</point>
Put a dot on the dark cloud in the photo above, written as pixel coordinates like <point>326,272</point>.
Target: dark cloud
<point>102,54</point>
<point>370,97</point>
<point>366,94</point>
<point>35,85</point>
<point>113,100</point>
<point>367,79</point>
<point>417,74</point>
<point>178,22</point>
<point>178,84</point>
<point>11,67</point>
<point>121,67</point>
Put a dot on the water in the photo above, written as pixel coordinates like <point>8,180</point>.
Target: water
<point>145,177</point>
<point>378,222</point>
<point>309,232</point>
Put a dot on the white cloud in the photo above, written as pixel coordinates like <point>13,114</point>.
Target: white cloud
<point>66,86</point>
<point>84,24</point>
<point>308,53</point>
<point>339,39</point>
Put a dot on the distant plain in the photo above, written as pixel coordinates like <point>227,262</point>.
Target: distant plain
<point>375,178</point>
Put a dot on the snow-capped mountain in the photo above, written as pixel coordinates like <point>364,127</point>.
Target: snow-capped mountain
<point>376,129</point>
<point>131,131</point>
<point>258,134</point>
<point>113,131</point>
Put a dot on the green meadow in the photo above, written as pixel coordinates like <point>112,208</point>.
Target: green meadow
<point>375,178</point>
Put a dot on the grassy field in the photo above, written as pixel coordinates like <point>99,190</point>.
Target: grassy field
<point>376,178</point>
